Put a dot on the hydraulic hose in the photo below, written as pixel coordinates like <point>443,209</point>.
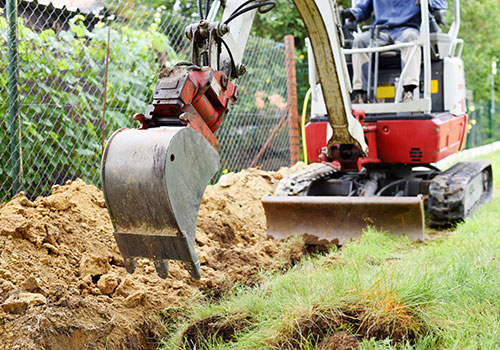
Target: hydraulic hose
<point>303,123</point>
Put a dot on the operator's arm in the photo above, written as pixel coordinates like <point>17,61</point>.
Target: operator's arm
<point>363,10</point>
<point>438,11</point>
<point>439,4</point>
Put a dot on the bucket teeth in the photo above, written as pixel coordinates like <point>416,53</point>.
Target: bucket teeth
<point>130,264</point>
<point>194,269</point>
<point>161,267</point>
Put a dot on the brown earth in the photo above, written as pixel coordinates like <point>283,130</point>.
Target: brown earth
<point>322,327</point>
<point>223,328</point>
<point>339,341</point>
<point>62,280</point>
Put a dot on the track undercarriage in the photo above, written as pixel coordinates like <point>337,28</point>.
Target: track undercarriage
<point>391,198</point>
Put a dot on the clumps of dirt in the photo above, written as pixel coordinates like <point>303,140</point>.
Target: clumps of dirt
<point>339,341</point>
<point>62,280</point>
<point>214,329</point>
<point>232,220</point>
<point>345,328</point>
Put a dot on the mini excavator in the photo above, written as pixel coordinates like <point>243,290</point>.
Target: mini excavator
<point>373,162</point>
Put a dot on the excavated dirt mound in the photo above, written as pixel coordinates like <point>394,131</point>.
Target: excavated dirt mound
<point>62,280</point>
<point>216,327</point>
<point>322,328</point>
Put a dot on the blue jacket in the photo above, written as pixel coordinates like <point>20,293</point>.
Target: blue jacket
<point>397,14</point>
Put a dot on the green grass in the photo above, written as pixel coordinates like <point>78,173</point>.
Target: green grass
<point>446,291</point>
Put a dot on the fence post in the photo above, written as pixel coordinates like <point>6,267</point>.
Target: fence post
<point>15,161</point>
<point>490,119</point>
<point>291,87</point>
<point>103,119</point>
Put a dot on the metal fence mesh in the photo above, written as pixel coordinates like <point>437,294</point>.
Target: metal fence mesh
<point>484,124</point>
<point>57,133</point>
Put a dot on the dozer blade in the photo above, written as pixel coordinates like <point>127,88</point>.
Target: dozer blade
<point>153,181</point>
<point>337,220</point>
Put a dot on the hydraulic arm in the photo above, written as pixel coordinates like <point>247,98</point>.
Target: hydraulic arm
<point>154,177</point>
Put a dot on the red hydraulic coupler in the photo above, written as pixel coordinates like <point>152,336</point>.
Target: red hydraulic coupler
<point>193,96</point>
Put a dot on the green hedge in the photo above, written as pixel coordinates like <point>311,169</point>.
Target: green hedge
<point>61,82</point>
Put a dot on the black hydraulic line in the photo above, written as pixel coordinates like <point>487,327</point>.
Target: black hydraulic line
<point>262,7</point>
<point>241,6</point>
<point>233,67</point>
<point>207,8</point>
<point>383,189</point>
<point>200,10</point>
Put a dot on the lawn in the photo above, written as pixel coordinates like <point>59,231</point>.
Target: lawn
<point>379,292</point>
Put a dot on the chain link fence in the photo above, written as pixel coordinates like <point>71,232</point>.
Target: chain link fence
<point>484,124</point>
<point>51,93</point>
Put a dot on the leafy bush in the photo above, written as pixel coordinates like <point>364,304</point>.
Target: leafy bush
<point>61,82</point>
<point>62,86</point>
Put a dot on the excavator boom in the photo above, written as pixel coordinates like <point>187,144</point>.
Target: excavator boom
<point>154,177</point>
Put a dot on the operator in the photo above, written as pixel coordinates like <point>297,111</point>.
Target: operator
<point>401,20</point>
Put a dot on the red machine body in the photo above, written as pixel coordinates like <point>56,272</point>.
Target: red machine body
<point>421,139</point>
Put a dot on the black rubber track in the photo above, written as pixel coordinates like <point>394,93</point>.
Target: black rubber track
<point>297,184</point>
<point>448,191</point>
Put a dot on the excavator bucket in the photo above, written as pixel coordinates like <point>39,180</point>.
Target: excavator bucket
<point>337,220</point>
<point>153,181</point>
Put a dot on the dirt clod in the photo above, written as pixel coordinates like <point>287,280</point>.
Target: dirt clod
<point>214,328</point>
<point>14,306</point>
<point>61,248</point>
<point>339,341</point>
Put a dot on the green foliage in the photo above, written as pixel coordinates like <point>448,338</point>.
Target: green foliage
<point>283,20</point>
<point>480,29</point>
<point>61,82</point>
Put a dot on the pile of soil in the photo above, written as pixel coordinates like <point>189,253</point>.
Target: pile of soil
<point>62,280</point>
